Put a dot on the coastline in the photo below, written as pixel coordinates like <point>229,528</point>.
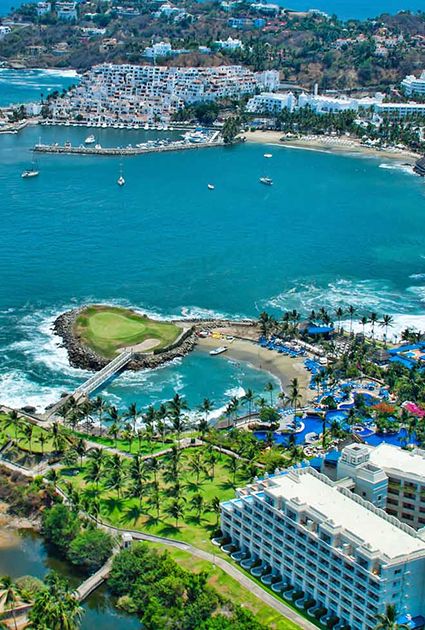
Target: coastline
<point>282,367</point>
<point>329,144</point>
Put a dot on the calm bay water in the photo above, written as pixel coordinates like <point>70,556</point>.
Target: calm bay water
<point>332,231</point>
<point>18,86</point>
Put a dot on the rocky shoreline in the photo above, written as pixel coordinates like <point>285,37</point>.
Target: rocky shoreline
<point>81,356</point>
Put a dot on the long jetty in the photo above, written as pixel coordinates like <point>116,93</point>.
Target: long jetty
<point>121,151</point>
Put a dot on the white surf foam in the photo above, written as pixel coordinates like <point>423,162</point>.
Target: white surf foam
<point>400,323</point>
<point>396,166</point>
<point>18,390</point>
<point>363,295</point>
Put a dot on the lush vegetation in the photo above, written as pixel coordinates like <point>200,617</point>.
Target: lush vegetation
<point>106,329</point>
<point>175,495</point>
<point>165,595</point>
<point>55,607</point>
<point>24,497</point>
<point>83,544</point>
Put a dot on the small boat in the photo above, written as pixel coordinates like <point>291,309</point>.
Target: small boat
<point>30,172</point>
<point>268,155</point>
<point>266,180</point>
<point>120,181</point>
<point>90,139</point>
<point>219,350</point>
<point>211,186</point>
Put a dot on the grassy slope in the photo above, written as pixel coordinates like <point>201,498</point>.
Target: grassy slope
<point>124,512</point>
<point>230,588</point>
<point>105,329</point>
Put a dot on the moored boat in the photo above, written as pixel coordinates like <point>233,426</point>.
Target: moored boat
<point>120,181</point>
<point>31,172</point>
<point>90,139</point>
<point>266,180</point>
<point>211,186</point>
<point>219,350</point>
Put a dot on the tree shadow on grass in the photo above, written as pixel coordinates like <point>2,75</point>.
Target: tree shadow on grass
<point>227,485</point>
<point>132,514</point>
<point>192,486</point>
<point>112,504</point>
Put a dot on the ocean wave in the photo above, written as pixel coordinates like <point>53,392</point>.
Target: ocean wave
<point>405,168</point>
<point>18,390</point>
<point>417,276</point>
<point>198,312</point>
<point>400,322</point>
<point>364,295</point>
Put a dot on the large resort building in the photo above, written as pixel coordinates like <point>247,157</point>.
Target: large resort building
<point>109,92</point>
<point>348,546</point>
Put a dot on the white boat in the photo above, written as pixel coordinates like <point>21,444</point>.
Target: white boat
<point>120,181</point>
<point>266,180</point>
<point>268,155</point>
<point>211,186</point>
<point>31,172</point>
<point>97,146</point>
<point>146,127</point>
<point>90,139</point>
<point>219,350</point>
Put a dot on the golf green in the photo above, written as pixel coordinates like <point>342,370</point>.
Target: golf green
<point>106,329</point>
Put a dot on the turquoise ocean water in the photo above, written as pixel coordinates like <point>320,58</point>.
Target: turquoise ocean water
<point>359,9</point>
<point>17,86</point>
<point>333,230</point>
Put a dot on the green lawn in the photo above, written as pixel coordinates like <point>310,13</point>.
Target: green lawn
<point>144,447</point>
<point>230,588</point>
<point>16,433</point>
<point>106,329</point>
<point>126,511</point>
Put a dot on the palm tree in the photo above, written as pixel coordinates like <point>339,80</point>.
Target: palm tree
<point>132,414</point>
<point>9,596</point>
<point>339,312</point>
<point>364,320</point>
<point>211,460</point>
<point>154,466</point>
<point>196,466</point>
<point>373,318</point>
<point>215,507</point>
<point>249,398</point>
<point>113,414</point>
<point>42,439</point>
<point>55,607</point>
<point>114,430</point>
<point>176,406</point>
<point>116,474</point>
<point>81,449</point>
<point>94,472</point>
<point>269,387</point>
<point>233,466</point>
<point>388,620</point>
<point>197,503</point>
<point>12,420</point>
<point>175,510</point>
<point>294,393</point>
<point>27,432</point>
<point>206,407</point>
<point>351,312</point>
<point>387,321</point>
<point>100,406</point>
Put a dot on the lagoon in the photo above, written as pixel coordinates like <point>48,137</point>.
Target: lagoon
<point>25,553</point>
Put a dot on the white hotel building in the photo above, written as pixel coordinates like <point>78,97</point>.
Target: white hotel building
<point>412,85</point>
<point>145,93</point>
<point>330,544</point>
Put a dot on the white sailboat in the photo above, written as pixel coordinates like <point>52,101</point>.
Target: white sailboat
<point>90,139</point>
<point>32,171</point>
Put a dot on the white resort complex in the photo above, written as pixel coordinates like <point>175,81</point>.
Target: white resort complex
<point>331,541</point>
<point>150,93</point>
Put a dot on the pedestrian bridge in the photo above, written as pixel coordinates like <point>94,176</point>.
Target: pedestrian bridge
<point>99,378</point>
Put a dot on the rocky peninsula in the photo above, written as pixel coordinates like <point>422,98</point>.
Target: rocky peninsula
<point>84,355</point>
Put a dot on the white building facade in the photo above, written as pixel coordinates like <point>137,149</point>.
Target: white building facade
<point>315,537</point>
<point>413,85</point>
<point>270,103</point>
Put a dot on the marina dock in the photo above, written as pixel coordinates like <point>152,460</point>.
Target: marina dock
<point>68,149</point>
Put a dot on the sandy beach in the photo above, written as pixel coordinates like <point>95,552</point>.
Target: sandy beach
<point>282,367</point>
<point>330,144</point>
